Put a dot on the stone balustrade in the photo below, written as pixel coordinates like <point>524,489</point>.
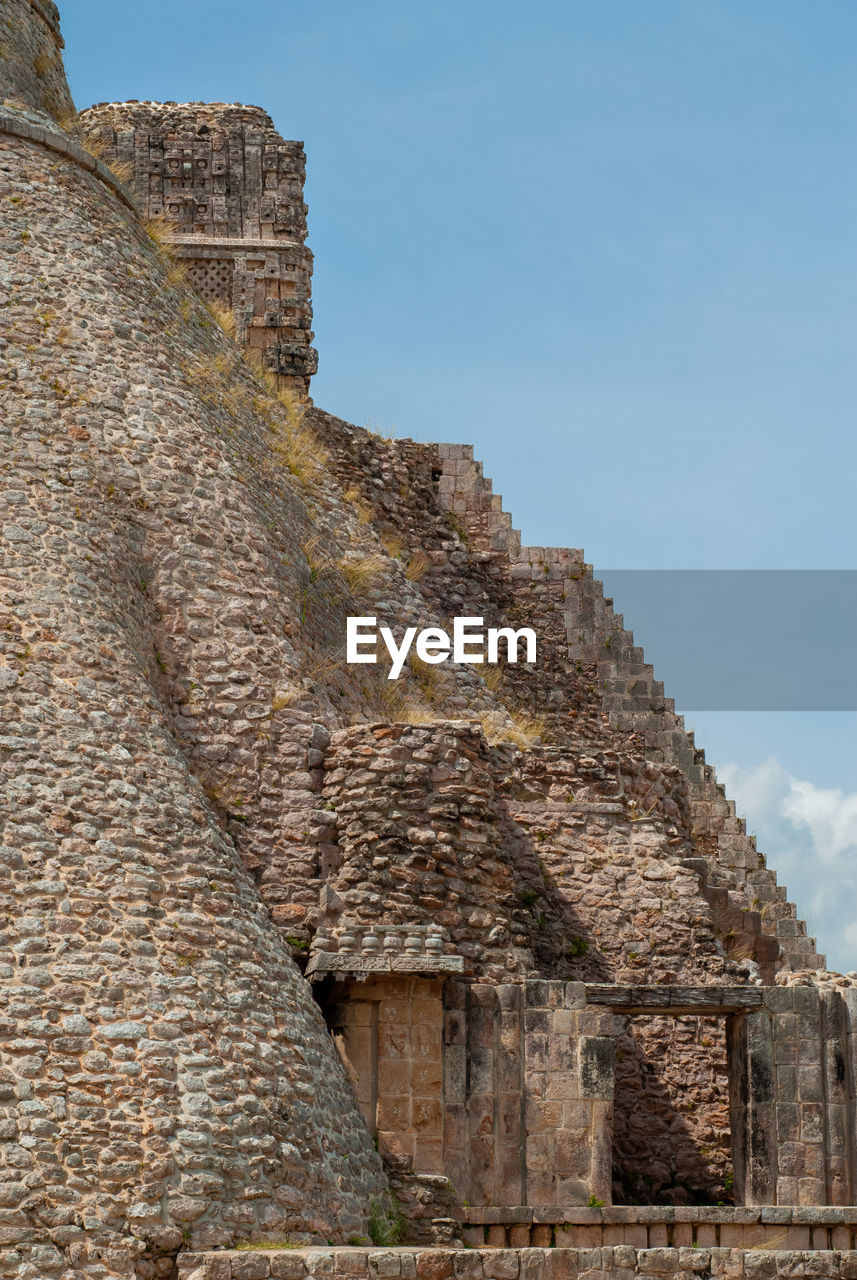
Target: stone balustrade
<point>378,948</point>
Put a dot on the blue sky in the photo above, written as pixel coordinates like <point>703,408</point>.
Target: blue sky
<point>611,244</point>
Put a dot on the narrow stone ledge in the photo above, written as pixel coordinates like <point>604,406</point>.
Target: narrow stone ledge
<point>18,127</point>
<point>618,1261</point>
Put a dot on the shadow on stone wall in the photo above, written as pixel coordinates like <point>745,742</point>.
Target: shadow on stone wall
<point>657,1157</point>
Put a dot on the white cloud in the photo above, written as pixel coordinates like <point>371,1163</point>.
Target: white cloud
<point>809,836</point>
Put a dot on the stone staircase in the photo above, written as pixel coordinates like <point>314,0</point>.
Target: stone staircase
<point>737,879</point>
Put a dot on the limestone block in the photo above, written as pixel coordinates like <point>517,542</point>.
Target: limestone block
<point>433,1264</point>
<point>250,1266</point>
<point>349,1262</point>
<point>657,1261</point>
<point>501,1264</point>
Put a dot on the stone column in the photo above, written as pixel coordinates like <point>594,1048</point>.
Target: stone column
<point>838,1116</point>
<point>752,1074</point>
<point>569,1080</point>
<point>792,1094</point>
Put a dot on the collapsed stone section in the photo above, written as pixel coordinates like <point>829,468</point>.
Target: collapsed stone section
<point>529,865</point>
<point>231,191</point>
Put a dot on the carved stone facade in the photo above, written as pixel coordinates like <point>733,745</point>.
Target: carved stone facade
<point>230,190</point>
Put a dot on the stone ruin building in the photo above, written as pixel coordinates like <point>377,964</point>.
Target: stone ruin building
<point>229,191</point>
<point>482,966</point>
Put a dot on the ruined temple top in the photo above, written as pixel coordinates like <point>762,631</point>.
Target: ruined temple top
<point>181,117</point>
<point>230,191</point>
<point>211,168</point>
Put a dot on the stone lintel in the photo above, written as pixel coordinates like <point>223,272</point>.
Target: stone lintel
<point>246,245</point>
<point>323,963</point>
<point>675,1000</point>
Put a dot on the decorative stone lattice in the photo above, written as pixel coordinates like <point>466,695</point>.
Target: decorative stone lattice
<point>212,279</point>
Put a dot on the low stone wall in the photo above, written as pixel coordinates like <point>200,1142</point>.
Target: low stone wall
<point>622,1262</point>
<point>661,1226</point>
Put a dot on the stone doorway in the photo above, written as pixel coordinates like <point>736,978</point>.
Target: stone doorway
<point>680,1116</point>
<point>388,1032</point>
<point>672,1139</point>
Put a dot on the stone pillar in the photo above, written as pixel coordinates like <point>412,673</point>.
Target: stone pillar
<point>849,1005</point>
<point>792,1074</point>
<point>750,1050</point>
<point>569,1079</point>
<point>494,1095</point>
<point>836,1118</point>
<point>804,1033</point>
<point>456,1135</point>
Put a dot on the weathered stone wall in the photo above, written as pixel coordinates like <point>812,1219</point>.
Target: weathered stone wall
<point>231,192</point>
<point>529,1095</point>
<point>539,865</point>
<point>31,70</point>
<point>196,783</point>
<point>165,1072</point>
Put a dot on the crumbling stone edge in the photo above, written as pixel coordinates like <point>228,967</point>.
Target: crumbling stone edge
<point>64,146</point>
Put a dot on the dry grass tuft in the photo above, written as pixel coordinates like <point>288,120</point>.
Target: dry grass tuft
<point>381,433</point>
<point>364,512</point>
<point>394,705</point>
<point>292,442</point>
<point>68,122</point>
<point>43,63</point>
<point>159,230</point>
<point>393,545</point>
<point>417,566</point>
<point>736,951</point>
<point>176,271</point>
<point>223,316</point>
<point>300,452</point>
<point>285,698</point>
<point>520,728</point>
<point>317,563</point>
<point>361,571</point>
<point>492,676</point>
<point>430,680</point>
<point>321,667</point>
<point>122,170</point>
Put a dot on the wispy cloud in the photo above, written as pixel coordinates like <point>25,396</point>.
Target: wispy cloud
<point>809,835</point>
